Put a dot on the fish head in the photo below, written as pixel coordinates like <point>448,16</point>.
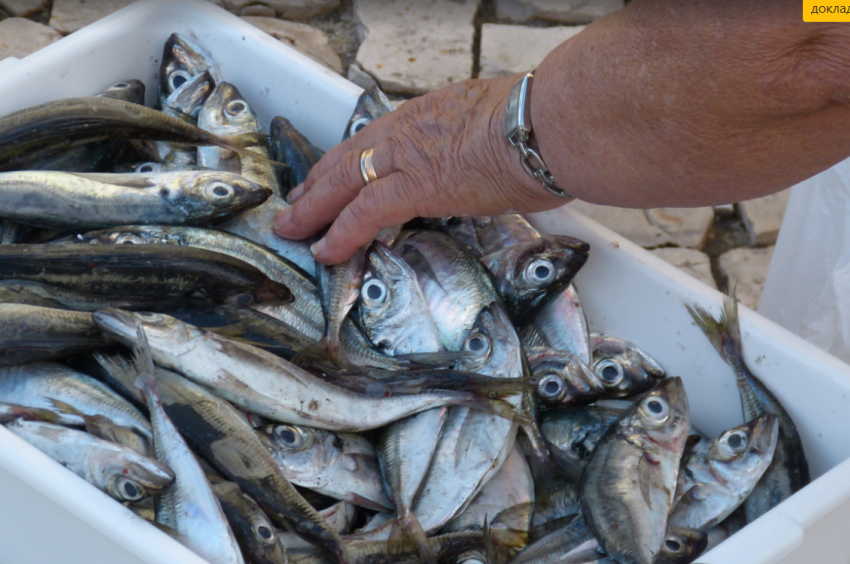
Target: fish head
<point>121,236</point>
<point>128,90</point>
<point>187,101</point>
<point>392,307</point>
<point>371,105</point>
<point>529,274</point>
<point>739,456</point>
<point>159,328</point>
<point>132,477</point>
<point>304,453</point>
<point>181,60</point>
<point>208,194</point>
<point>623,367</point>
<point>265,546</point>
<point>562,378</point>
<point>226,112</point>
<point>682,545</point>
<point>492,344</point>
<point>661,417</point>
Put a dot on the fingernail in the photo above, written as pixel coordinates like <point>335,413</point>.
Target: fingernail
<point>295,193</point>
<point>318,248</point>
<point>281,220</point>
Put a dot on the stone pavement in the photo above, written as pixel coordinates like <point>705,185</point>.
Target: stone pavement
<point>409,47</point>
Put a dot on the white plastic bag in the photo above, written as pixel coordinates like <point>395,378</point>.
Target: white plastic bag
<point>807,289</point>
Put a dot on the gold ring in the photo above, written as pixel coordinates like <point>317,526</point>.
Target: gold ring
<point>367,169</point>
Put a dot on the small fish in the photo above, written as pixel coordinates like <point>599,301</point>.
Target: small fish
<point>189,505</point>
<point>32,333</point>
<point>117,470</point>
<point>789,471</point>
<point>715,481</point>
<point>562,378</point>
<point>291,147</point>
<point>623,367</point>
<point>339,465</point>
<point>371,105</point>
<point>182,59</point>
<point>629,481</point>
<point>59,200</point>
<point>572,434</point>
<point>253,528</point>
<point>561,325</point>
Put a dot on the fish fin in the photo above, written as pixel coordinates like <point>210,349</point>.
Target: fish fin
<point>414,381</point>
<point>143,361</point>
<point>122,370</point>
<point>360,501</point>
<point>489,542</point>
<point>326,354</point>
<point>645,478</point>
<point>63,407</point>
<point>407,535</point>
<point>723,332</point>
<point>464,440</point>
<point>520,512</point>
<point>439,359</point>
<point>548,527</point>
<point>235,332</point>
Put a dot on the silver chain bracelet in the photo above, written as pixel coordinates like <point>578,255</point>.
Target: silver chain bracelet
<point>518,130</point>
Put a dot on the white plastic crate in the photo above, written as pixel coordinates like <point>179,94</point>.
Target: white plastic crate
<point>48,514</point>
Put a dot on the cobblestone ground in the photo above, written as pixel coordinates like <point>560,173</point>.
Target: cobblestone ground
<point>409,47</point>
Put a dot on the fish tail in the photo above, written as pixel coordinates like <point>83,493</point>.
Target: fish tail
<point>143,362</point>
<point>723,332</point>
<point>498,407</point>
<point>408,536</point>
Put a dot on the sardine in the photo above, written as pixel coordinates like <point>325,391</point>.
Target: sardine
<point>250,524</point>
<point>291,147</point>
<point>181,60</point>
<point>623,368</point>
<point>371,105</point>
<point>562,378</point>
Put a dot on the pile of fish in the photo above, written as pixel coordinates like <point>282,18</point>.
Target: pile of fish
<point>437,398</point>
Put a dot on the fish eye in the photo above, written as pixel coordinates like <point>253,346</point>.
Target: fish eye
<point>128,490</point>
<point>129,239</point>
<point>374,292</point>
<point>121,85</point>
<point>289,436</point>
<point>147,167</point>
<point>477,343</point>
<point>264,531</point>
<point>673,545</point>
<point>609,371</point>
<point>236,106</point>
<point>358,124</point>
<point>177,79</point>
<point>242,299</point>
<point>219,191</point>
<point>734,442</point>
<point>148,316</point>
<point>540,272</point>
<point>551,387</point>
<point>656,409</point>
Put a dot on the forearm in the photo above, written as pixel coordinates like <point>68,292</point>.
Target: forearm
<point>685,103</point>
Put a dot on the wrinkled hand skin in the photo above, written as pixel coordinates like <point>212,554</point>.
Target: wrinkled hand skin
<point>436,154</point>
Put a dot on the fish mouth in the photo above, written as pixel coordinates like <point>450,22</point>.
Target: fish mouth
<point>766,431</point>
<point>116,323</point>
<point>255,196</point>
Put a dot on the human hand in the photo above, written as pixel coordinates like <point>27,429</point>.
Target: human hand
<point>441,154</point>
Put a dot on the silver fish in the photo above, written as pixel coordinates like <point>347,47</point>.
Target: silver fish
<point>340,465</point>
<point>629,481</point>
<point>189,506</point>
<point>562,378</point>
<point>561,325</point>
<point>624,368</point>
<point>181,60</point>
<point>114,469</point>
<point>371,105</point>
<point>716,480</point>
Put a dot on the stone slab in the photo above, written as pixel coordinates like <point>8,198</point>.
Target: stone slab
<point>20,37</point>
<point>763,216</point>
<point>692,262</point>
<point>560,11</point>
<point>415,46</point>
<point>23,8</point>
<point>309,40</point>
<point>511,49</point>
<point>360,77</point>
<point>258,10</point>
<point>685,226</point>
<point>69,16</point>
<point>746,270</point>
<point>287,9</point>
